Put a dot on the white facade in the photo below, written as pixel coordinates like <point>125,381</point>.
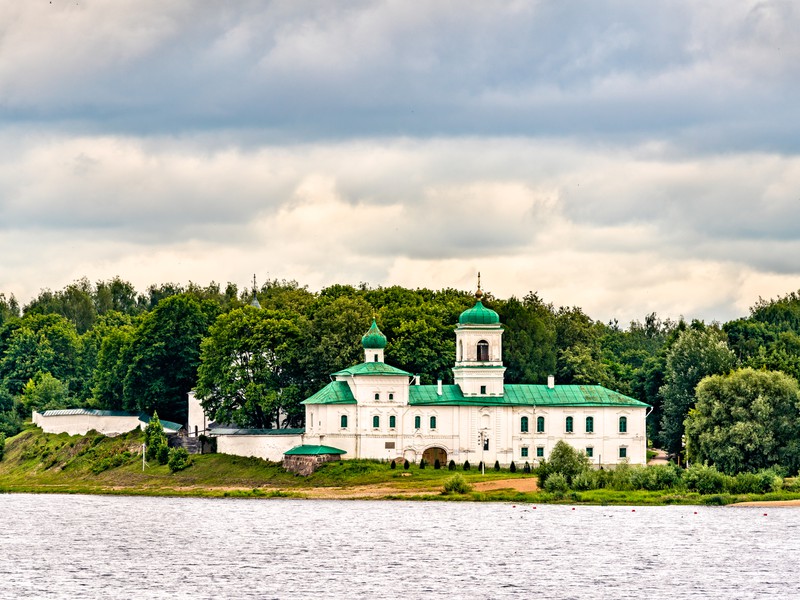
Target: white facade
<point>80,421</point>
<point>268,447</point>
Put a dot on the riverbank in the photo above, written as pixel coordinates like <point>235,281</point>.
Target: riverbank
<point>36,462</point>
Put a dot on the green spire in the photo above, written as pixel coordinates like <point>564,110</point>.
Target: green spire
<point>373,338</point>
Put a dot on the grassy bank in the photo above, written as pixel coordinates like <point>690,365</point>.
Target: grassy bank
<point>94,464</point>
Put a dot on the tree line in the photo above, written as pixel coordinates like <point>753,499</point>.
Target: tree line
<point>104,345</point>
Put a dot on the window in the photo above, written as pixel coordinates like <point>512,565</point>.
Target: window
<point>391,396</point>
<point>417,422</point>
<point>524,452</point>
<point>377,396</point>
<point>623,424</point>
<point>569,424</point>
<point>483,389</point>
<point>343,421</point>
<point>486,443</point>
<point>623,452</point>
<point>523,424</point>
<point>375,359</point>
<point>589,424</point>
<point>392,421</point>
<point>483,350</point>
<point>539,451</point>
<point>376,421</point>
<point>433,422</point>
<point>539,424</point>
<point>590,452</point>
<point>460,350</point>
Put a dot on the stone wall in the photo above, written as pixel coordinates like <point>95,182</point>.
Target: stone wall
<point>306,464</point>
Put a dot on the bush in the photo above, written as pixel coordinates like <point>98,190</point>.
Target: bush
<point>563,459</point>
<point>763,482</point>
<point>179,459</point>
<point>705,480</point>
<point>512,467</point>
<point>436,464</point>
<point>556,484</point>
<point>393,466</point>
<point>480,466</point>
<point>497,465</point>
<point>163,454</point>
<point>466,465</point>
<point>405,464</point>
<point>2,445</point>
<point>584,481</point>
<point>421,463</point>
<point>457,485</point>
<point>527,467</point>
<point>451,466</point>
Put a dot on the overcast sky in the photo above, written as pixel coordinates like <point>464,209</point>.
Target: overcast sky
<point>625,157</point>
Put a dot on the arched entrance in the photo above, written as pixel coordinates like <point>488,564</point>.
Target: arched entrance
<point>431,455</point>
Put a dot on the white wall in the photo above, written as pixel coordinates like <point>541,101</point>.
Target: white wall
<point>268,447</point>
<point>82,424</point>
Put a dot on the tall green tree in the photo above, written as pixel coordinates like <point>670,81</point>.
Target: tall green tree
<point>165,354</point>
<point>44,392</point>
<point>529,344</point>
<point>745,421</point>
<point>249,372</point>
<point>698,352</point>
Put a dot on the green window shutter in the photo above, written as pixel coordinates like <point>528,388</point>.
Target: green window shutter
<point>343,421</point>
<point>523,424</point>
<point>569,424</point>
<point>392,421</point>
<point>539,424</point>
<point>433,422</point>
<point>376,421</point>
<point>623,452</point>
<point>590,452</point>
<point>524,452</point>
<point>623,424</point>
<point>539,451</point>
<point>589,424</point>
<point>417,422</point>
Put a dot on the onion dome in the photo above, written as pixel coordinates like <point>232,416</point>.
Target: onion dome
<point>373,339</point>
<point>479,314</point>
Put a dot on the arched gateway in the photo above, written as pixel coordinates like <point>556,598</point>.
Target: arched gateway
<point>431,455</point>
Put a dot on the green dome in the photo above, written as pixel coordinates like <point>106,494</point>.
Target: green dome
<point>373,338</point>
<point>478,315</point>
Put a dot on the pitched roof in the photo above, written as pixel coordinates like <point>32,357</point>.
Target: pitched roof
<point>313,451</point>
<point>336,392</point>
<point>523,395</point>
<point>237,431</point>
<point>372,368</point>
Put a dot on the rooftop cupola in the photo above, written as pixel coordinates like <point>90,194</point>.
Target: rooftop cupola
<point>373,343</point>
<point>478,314</point>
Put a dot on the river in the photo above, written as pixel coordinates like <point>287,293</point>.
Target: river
<point>61,546</point>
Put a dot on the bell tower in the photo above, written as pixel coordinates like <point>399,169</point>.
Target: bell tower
<point>479,369</point>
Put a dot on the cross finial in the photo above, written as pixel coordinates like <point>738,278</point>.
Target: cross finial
<point>254,284</point>
<point>479,293</point>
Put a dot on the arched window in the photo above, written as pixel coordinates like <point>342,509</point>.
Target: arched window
<point>392,421</point>
<point>375,359</point>
<point>523,424</point>
<point>417,422</point>
<point>377,396</point>
<point>589,424</point>
<point>539,424</point>
<point>343,421</point>
<point>569,424</point>
<point>623,424</point>
<point>433,422</point>
<point>376,421</point>
<point>460,350</point>
<point>483,350</point>
<point>391,396</point>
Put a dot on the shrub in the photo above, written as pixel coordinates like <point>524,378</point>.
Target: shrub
<point>457,485</point>
<point>393,466</point>
<point>563,459</point>
<point>421,463</point>
<point>556,483</point>
<point>480,466</point>
<point>584,481</point>
<point>497,465</point>
<point>763,482</point>
<point>466,465</point>
<point>179,459</point>
<point>512,467</point>
<point>437,464</point>
<point>451,466</point>
<point>705,480</point>
<point>527,467</point>
<point>2,445</point>
<point>405,464</point>
<point>163,454</point>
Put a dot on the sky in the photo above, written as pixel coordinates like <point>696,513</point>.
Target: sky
<point>624,157</point>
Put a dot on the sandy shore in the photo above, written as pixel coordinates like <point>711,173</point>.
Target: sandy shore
<point>768,503</point>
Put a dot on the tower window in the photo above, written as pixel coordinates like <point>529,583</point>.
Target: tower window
<point>589,424</point>
<point>483,389</point>
<point>343,421</point>
<point>539,424</point>
<point>569,424</point>
<point>623,424</point>
<point>376,422</point>
<point>375,359</point>
<point>392,421</point>
<point>523,424</point>
<point>483,350</point>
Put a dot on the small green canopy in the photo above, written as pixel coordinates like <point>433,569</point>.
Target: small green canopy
<point>312,451</point>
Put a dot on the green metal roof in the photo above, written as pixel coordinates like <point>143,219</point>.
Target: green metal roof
<point>373,368</point>
<point>313,451</point>
<point>374,338</point>
<point>524,395</point>
<point>63,412</point>
<point>235,431</point>
<point>336,392</point>
<point>479,315</point>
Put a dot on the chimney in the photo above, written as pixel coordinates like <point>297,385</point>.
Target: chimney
<point>551,382</point>
<point>439,386</point>
<point>417,379</point>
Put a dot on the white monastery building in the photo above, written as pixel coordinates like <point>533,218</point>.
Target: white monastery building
<point>374,410</point>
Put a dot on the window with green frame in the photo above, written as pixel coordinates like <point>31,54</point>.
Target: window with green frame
<point>623,452</point>
<point>623,424</point>
<point>377,396</point>
<point>569,424</point>
<point>376,421</point>
<point>433,422</point>
<point>539,424</point>
<point>590,452</point>
<point>417,422</point>
<point>589,424</point>
<point>523,424</point>
<point>343,421</point>
<point>524,452</point>
<point>539,451</point>
<point>392,421</point>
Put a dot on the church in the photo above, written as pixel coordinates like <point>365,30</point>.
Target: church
<point>374,410</point>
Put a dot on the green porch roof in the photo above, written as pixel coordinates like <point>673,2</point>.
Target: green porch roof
<point>336,392</point>
<point>312,451</point>
<point>524,395</point>
<point>372,368</point>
